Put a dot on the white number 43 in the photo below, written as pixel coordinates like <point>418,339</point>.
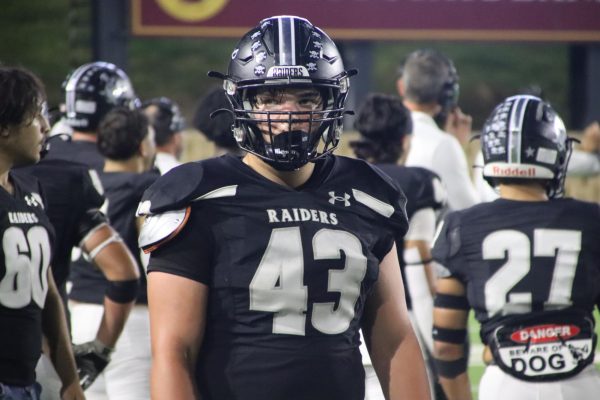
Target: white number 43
<point>278,284</point>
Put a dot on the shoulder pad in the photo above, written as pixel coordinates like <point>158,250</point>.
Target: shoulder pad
<point>160,228</point>
<point>184,184</point>
<point>432,192</point>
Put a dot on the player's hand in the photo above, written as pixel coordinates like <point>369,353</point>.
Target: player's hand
<point>91,358</point>
<point>459,125</point>
<point>72,392</point>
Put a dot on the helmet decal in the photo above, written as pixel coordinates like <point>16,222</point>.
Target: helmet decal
<point>524,138</point>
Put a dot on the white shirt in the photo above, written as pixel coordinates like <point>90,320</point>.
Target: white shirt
<point>165,162</point>
<point>441,153</point>
<point>583,164</point>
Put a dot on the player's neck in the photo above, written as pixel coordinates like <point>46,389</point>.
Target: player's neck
<point>5,182</point>
<point>430,109</point>
<point>84,137</point>
<point>134,164</point>
<point>292,179</point>
<point>168,148</point>
<point>523,192</point>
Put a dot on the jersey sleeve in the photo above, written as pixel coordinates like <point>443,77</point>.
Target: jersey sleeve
<point>91,203</point>
<point>392,207</point>
<point>447,246</point>
<point>188,254</point>
<point>430,191</point>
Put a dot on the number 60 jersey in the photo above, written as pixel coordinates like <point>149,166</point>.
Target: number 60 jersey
<point>289,270</point>
<point>24,259</point>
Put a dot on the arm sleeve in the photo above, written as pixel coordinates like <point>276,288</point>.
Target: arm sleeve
<point>451,166</point>
<point>189,254</point>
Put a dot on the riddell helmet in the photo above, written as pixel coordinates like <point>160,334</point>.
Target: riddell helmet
<point>524,138</point>
<point>92,90</point>
<point>286,52</point>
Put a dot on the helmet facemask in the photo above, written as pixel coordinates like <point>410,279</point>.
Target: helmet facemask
<point>287,139</point>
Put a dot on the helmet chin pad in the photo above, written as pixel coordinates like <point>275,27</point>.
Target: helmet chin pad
<point>289,150</point>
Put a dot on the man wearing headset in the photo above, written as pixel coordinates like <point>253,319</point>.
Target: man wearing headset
<point>429,87</point>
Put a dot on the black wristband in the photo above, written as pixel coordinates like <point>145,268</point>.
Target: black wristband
<point>450,369</point>
<point>122,291</point>
<point>455,336</point>
<point>442,300</point>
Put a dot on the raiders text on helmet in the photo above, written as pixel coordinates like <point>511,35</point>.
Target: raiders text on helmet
<point>92,90</point>
<point>287,52</point>
<point>524,138</point>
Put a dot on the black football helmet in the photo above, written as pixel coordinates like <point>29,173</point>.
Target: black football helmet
<point>286,52</point>
<point>524,138</point>
<point>92,90</point>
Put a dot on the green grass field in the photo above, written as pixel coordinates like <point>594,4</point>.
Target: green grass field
<point>476,366</point>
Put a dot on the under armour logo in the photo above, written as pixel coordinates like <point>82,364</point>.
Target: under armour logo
<point>34,200</point>
<point>345,198</point>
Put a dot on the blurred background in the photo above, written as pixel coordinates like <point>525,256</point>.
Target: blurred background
<point>499,47</point>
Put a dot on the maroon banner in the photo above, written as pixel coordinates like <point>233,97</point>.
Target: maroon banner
<point>508,20</point>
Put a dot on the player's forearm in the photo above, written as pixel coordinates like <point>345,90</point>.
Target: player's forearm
<point>408,377</point>
<point>113,321</point>
<point>172,378</point>
<point>54,325</point>
<point>457,388</point>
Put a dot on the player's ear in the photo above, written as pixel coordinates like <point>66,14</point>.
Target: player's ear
<point>400,86</point>
<point>5,132</point>
<point>147,146</point>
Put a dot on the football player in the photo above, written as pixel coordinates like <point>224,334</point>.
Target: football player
<point>264,268</point>
<point>168,124</point>
<point>528,264</point>
<point>385,127</point>
<point>126,141</point>
<point>74,195</point>
<point>29,300</point>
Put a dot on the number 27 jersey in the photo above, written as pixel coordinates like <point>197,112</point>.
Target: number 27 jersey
<point>288,270</point>
<point>519,257</point>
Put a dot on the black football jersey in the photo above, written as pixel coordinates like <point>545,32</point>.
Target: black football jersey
<point>418,184</point>
<point>517,257</point>
<point>289,271</point>
<point>123,192</point>
<point>62,147</point>
<point>24,260</point>
<point>74,197</point>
